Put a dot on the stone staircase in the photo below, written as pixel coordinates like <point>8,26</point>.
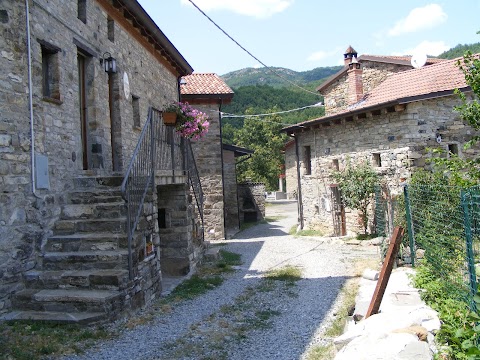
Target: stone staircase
<point>82,274</point>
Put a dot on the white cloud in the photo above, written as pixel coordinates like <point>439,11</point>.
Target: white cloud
<point>433,48</point>
<point>254,8</point>
<point>322,55</point>
<point>419,18</point>
<point>257,66</point>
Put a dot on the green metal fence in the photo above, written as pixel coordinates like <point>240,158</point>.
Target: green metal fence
<point>443,227</point>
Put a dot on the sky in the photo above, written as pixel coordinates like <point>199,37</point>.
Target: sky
<point>304,34</point>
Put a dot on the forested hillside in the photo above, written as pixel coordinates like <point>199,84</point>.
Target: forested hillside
<point>459,50</point>
<point>268,76</point>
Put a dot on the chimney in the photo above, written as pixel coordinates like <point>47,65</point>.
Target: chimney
<point>354,74</point>
<point>350,53</point>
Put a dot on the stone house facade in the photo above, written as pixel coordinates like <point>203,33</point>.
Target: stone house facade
<point>405,111</point>
<point>101,71</point>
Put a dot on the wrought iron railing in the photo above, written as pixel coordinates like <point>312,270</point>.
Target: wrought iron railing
<point>159,148</point>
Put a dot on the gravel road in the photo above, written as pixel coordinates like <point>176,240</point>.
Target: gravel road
<point>249,316</point>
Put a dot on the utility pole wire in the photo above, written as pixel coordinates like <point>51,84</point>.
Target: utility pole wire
<point>249,53</point>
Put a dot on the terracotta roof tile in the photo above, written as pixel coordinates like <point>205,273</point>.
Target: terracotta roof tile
<point>204,84</point>
<point>406,86</point>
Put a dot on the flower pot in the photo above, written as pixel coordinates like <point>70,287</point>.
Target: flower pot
<point>169,118</point>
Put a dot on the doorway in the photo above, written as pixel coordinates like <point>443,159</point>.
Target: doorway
<point>82,100</point>
<point>338,211</point>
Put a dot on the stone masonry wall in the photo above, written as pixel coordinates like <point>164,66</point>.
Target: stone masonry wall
<point>208,157</point>
<point>291,172</point>
<point>230,193</point>
<point>26,219</point>
<point>374,73</point>
<point>398,139</point>
<point>251,201</point>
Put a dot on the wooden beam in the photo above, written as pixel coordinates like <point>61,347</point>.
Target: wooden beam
<point>387,267</point>
<point>400,107</point>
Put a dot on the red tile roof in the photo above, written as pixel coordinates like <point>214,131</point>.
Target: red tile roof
<point>204,84</point>
<point>432,81</point>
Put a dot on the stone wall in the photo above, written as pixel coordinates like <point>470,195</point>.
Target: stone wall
<point>336,95</point>
<point>251,201</point>
<point>394,143</point>
<point>208,157</point>
<point>291,172</point>
<point>180,246</point>
<point>230,193</point>
<point>26,219</point>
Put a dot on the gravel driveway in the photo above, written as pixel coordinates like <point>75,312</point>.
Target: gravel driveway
<point>248,317</point>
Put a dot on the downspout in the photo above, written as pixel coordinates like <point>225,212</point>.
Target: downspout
<point>299,185</point>
<point>30,101</point>
<point>223,177</point>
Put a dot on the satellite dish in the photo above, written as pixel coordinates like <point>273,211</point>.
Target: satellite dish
<point>418,60</point>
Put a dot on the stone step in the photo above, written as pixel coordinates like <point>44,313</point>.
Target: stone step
<point>66,300</point>
<point>116,279</point>
<point>99,182</point>
<point>65,227</point>
<point>105,241</point>
<point>55,317</point>
<point>86,260</point>
<point>110,210</point>
<point>95,196</point>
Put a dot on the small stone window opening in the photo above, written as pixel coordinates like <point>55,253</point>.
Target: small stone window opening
<point>82,10</point>
<point>136,111</point>
<point>50,72</point>
<point>377,160</point>
<point>111,29</point>
<point>307,160</point>
<point>452,150</point>
<point>335,165</point>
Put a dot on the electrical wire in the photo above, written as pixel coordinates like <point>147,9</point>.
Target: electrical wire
<point>227,115</point>
<point>249,53</point>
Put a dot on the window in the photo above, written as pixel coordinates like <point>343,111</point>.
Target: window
<point>335,165</point>
<point>377,160</point>
<point>307,160</point>
<point>136,111</point>
<point>82,10</point>
<point>452,149</point>
<point>111,29</point>
<point>50,71</point>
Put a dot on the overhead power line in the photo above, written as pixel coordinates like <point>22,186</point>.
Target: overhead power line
<point>249,53</point>
<point>227,115</point>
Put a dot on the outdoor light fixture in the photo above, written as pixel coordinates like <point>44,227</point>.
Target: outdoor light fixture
<point>183,81</point>
<point>109,63</point>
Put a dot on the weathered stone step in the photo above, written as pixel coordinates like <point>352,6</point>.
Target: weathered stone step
<point>55,317</point>
<point>99,182</point>
<point>95,196</point>
<point>94,211</point>
<point>85,260</point>
<point>65,227</point>
<point>115,279</point>
<point>66,300</point>
<point>86,242</point>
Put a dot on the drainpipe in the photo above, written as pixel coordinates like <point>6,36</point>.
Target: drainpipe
<point>299,185</point>
<point>30,101</point>
<point>223,176</point>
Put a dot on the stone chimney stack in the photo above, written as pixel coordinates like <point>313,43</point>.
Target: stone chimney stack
<point>354,73</point>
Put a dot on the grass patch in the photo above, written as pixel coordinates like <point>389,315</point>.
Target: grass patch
<point>348,294</point>
<point>322,352</point>
<point>366,236</point>
<point>33,340</point>
<point>230,258</point>
<point>288,273</point>
<point>270,219</point>
<point>306,232</point>
<point>195,286</point>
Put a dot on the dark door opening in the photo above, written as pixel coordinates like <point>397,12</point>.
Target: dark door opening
<point>82,97</point>
<point>338,212</point>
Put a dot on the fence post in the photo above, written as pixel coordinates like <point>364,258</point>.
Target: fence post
<point>469,244</point>
<point>408,215</point>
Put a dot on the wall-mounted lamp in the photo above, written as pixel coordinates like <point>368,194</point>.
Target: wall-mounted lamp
<point>183,81</point>
<point>109,63</point>
<point>438,138</point>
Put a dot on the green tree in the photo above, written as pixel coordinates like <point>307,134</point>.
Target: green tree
<point>262,135</point>
<point>358,187</point>
<point>465,172</point>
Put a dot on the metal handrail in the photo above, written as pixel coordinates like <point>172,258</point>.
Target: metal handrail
<point>159,147</point>
<point>138,178</point>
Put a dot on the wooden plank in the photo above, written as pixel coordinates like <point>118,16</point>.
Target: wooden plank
<point>387,267</point>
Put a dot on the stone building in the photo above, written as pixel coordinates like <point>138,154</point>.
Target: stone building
<point>208,92</point>
<point>382,111</point>
<point>80,90</point>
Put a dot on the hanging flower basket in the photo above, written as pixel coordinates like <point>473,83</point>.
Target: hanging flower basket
<point>190,123</point>
<point>169,118</point>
